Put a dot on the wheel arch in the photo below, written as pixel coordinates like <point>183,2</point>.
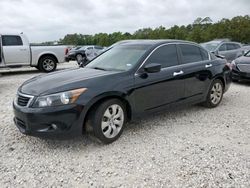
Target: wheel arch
<point>81,53</point>
<point>47,54</point>
<point>220,77</point>
<point>106,96</point>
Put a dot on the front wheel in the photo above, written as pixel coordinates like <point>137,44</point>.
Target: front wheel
<point>108,120</point>
<point>215,94</point>
<point>47,64</point>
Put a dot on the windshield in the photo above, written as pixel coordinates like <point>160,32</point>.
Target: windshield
<point>120,58</point>
<point>211,46</point>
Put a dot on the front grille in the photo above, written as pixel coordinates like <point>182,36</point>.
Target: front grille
<point>23,100</point>
<point>244,68</point>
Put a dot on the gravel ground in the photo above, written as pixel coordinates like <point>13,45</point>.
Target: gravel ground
<point>191,147</point>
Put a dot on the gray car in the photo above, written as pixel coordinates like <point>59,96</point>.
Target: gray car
<point>228,49</point>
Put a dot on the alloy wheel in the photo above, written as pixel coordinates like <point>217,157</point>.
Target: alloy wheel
<point>216,93</point>
<point>112,121</point>
<point>48,64</point>
<point>79,58</point>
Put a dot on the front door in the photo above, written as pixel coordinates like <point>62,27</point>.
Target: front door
<point>14,51</point>
<point>155,90</point>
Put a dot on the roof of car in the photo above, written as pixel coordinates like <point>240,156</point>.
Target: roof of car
<point>151,42</point>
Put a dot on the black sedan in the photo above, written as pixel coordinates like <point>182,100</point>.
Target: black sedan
<point>241,68</point>
<point>84,53</point>
<point>127,81</point>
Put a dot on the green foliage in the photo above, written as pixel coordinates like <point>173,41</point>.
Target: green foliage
<point>202,30</point>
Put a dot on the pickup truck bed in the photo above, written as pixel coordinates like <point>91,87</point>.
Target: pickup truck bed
<point>15,51</point>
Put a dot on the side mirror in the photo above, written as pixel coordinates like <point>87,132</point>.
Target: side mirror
<point>152,68</point>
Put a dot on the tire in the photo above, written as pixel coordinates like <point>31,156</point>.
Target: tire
<point>106,124</point>
<point>47,64</point>
<point>215,94</point>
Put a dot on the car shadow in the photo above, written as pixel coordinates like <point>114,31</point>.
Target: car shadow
<point>244,83</point>
<point>147,122</point>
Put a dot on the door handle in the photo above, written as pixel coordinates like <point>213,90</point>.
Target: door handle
<point>208,65</point>
<point>178,73</point>
<point>23,49</point>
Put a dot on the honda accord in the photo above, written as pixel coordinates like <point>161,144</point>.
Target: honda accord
<point>127,81</point>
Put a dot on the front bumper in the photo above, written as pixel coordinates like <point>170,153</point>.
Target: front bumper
<point>240,76</point>
<point>52,121</point>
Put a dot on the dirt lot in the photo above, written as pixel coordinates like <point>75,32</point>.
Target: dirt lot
<point>192,147</point>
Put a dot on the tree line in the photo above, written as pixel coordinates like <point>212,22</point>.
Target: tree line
<point>201,30</point>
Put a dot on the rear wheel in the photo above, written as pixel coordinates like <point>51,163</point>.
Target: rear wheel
<point>47,64</point>
<point>107,120</point>
<point>215,94</point>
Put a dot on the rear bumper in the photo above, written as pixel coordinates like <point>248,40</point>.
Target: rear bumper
<point>59,121</point>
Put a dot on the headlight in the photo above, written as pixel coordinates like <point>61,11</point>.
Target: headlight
<point>63,98</point>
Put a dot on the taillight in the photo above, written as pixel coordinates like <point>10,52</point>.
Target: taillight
<point>66,51</point>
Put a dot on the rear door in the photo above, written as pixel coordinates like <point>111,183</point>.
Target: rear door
<point>14,50</point>
<point>229,50</point>
<point>154,90</point>
<point>197,70</point>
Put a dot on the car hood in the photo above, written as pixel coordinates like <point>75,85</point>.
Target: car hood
<point>243,60</point>
<point>61,81</point>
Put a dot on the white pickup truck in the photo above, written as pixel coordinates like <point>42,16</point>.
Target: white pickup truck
<point>16,51</point>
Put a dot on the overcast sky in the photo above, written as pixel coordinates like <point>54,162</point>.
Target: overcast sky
<point>45,20</point>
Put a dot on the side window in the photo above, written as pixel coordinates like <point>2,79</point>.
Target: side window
<point>98,48</point>
<point>204,54</point>
<point>237,46</point>
<point>223,47</point>
<point>165,55</point>
<point>231,47</point>
<point>190,53</point>
<point>12,40</point>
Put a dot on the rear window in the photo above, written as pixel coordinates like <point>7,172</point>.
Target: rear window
<point>190,53</point>
<point>12,40</point>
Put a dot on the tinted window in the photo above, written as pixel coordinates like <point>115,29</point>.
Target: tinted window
<point>204,54</point>
<point>237,46</point>
<point>165,55</point>
<point>223,47</point>
<point>231,47</point>
<point>98,48</point>
<point>190,53</point>
<point>11,40</point>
